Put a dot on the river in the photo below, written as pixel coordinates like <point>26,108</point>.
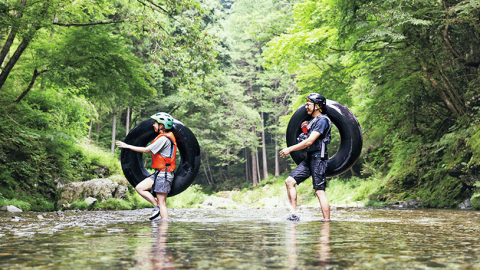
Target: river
<point>356,238</point>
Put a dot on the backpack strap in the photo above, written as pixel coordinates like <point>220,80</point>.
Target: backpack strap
<point>322,155</point>
<point>171,155</point>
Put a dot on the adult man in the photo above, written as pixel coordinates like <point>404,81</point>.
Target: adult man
<point>315,164</point>
<point>163,149</point>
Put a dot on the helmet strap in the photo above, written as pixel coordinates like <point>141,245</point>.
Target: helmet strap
<point>161,130</point>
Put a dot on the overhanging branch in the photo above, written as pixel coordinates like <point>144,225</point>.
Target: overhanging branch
<point>87,24</point>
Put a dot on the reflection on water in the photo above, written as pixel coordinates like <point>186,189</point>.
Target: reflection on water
<point>324,244</point>
<point>243,239</point>
<point>158,257</point>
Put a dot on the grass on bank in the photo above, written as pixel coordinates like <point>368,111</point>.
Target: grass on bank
<point>340,191</point>
<point>97,155</point>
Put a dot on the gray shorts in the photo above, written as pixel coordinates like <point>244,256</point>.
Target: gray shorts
<point>162,185</point>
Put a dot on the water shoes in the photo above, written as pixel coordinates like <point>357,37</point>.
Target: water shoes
<point>155,213</point>
<point>293,217</point>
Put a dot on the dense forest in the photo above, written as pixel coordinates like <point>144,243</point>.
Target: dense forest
<point>81,74</point>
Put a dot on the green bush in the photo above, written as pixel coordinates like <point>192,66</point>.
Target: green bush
<point>80,205</point>
<point>99,156</point>
<point>190,197</point>
<point>353,189</point>
<point>137,201</point>
<point>25,206</point>
<point>114,204</point>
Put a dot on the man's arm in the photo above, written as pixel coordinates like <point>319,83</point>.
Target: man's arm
<point>301,145</point>
<point>131,147</point>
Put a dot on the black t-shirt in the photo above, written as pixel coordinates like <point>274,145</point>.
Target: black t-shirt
<point>321,126</point>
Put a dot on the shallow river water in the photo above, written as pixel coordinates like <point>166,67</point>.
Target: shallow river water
<point>356,238</point>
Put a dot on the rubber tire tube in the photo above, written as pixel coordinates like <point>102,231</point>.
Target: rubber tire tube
<point>187,145</point>
<point>351,139</point>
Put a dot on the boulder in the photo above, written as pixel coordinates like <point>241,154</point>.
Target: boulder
<point>90,201</point>
<point>101,171</point>
<point>11,209</point>
<point>466,204</point>
<point>101,189</point>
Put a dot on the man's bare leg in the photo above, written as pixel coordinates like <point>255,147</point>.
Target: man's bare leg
<point>324,204</point>
<point>162,204</point>
<point>143,188</point>
<point>292,193</point>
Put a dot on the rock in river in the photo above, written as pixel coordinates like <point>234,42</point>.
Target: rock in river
<point>11,209</point>
<point>101,189</point>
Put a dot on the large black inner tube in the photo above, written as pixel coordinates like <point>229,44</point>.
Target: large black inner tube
<point>351,140</point>
<point>187,145</point>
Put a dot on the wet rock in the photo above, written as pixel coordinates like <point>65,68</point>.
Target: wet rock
<point>101,171</point>
<point>408,204</point>
<point>90,201</point>
<point>468,176</point>
<point>121,192</point>
<point>60,182</point>
<point>11,209</point>
<point>469,179</point>
<point>465,205</point>
<point>40,217</point>
<point>15,218</point>
<point>101,189</point>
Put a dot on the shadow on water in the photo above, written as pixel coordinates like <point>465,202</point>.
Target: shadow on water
<point>242,239</point>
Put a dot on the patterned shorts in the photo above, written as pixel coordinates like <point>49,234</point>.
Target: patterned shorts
<point>312,166</point>
<point>162,185</point>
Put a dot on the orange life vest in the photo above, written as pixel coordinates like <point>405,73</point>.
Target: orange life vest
<point>160,161</point>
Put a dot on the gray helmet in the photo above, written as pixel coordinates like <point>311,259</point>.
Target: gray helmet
<point>163,118</point>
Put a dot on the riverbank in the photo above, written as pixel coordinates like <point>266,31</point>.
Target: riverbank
<point>352,192</point>
<point>342,193</point>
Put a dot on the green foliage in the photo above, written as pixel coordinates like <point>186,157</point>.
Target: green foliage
<point>114,204</point>
<point>25,206</point>
<point>190,197</point>
<point>344,191</point>
<point>137,201</point>
<point>27,202</point>
<point>95,155</point>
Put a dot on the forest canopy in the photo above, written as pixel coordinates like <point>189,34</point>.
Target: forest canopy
<point>234,72</point>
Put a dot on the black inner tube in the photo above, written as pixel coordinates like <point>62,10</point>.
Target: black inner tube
<point>187,145</point>
<point>351,139</point>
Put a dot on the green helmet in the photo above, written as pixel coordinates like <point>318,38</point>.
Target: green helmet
<point>163,118</point>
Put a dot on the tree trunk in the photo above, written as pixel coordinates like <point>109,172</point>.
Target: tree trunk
<point>264,149</point>
<point>210,171</point>
<point>11,37</point>
<point>90,132</point>
<point>99,120</point>
<point>254,169</point>
<point>205,171</point>
<point>258,166</point>
<point>228,171</point>
<point>440,92</point>
<point>128,119</point>
<point>220,172</point>
<point>247,173</point>
<point>114,129</point>
<point>13,60</point>
<point>29,87</point>
<point>277,165</point>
